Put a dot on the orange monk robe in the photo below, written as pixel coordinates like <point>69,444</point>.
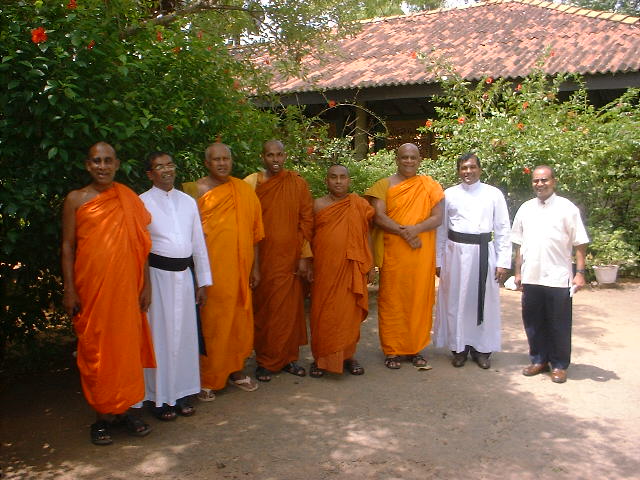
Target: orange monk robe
<point>287,213</point>
<point>114,339</point>
<point>407,276</point>
<point>339,297</point>
<point>232,224</point>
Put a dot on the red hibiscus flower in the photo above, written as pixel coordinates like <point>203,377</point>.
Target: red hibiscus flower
<point>209,48</point>
<point>310,150</point>
<point>169,128</point>
<point>38,35</point>
<point>489,80</point>
<point>92,44</point>
<point>461,120</point>
<point>72,5</point>
<point>428,124</point>
<point>519,87</point>
<point>159,36</point>
<point>331,103</point>
<point>525,105</point>
<point>176,49</point>
<point>520,126</point>
<point>526,170</point>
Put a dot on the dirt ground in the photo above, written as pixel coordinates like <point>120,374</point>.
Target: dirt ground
<point>404,424</point>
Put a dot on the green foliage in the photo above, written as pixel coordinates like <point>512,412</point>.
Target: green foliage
<point>73,75</point>
<point>513,128</point>
<point>629,7</point>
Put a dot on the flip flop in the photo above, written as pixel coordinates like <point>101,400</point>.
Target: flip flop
<point>206,395</point>
<point>244,383</point>
<point>420,362</point>
<point>263,375</point>
<point>184,407</point>
<point>136,426</point>
<point>164,413</point>
<point>294,369</point>
<point>100,433</point>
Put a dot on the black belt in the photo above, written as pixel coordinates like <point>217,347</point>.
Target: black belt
<point>170,264</point>
<point>483,240</point>
<point>180,265</point>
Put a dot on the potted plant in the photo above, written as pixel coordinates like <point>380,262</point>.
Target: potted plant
<point>608,251</point>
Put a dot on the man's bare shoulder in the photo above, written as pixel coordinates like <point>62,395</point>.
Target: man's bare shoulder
<point>76,198</point>
<point>321,202</point>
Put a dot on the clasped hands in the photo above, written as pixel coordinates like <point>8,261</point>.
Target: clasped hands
<point>409,233</point>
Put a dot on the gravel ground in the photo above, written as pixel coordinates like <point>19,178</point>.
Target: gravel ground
<point>404,424</point>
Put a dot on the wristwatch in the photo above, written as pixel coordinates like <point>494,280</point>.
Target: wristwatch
<point>580,270</point>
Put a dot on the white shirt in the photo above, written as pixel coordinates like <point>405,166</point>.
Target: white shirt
<point>547,232</point>
<point>476,208</point>
<point>176,231</point>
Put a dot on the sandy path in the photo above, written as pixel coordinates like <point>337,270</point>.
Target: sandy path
<point>444,423</point>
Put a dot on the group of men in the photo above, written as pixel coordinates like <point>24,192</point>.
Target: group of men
<point>170,296</point>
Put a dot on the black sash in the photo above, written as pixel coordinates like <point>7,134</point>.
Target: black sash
<point>180,265</point>
<point>483,240</point>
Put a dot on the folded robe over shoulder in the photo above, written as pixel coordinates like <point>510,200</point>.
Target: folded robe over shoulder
<point>114,339</point>
<point>287,213</point>
<point>339,299</point>
<point>407,276</point>
<point>232,224</point>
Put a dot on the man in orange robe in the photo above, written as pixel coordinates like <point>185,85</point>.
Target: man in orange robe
<point>105,244</point>
<point>342,266</point>
<point>232,224</point>
<point>287,213</point>
<point>408,211</point>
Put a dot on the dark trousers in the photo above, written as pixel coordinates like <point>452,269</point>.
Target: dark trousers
<point>546,314</point>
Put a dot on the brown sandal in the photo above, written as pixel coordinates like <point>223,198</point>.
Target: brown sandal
<point>354,367</point>
<point>392,362</point>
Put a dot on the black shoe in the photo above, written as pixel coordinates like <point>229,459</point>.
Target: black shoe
<point>459,359</point>
<point>482,359</point>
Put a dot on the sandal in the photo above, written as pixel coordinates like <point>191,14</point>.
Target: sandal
<point>263,375</point>
<point>244,383</point>
<point>294,369</point>
<point>314,371</point>
<point>392,362</point>
<point>164,413</point>
<point>420,362</point>
<point>136,426</point>
<point>100,433</point>
<point>183,407</point>
<point>353,367</point>
<point>206,395</point>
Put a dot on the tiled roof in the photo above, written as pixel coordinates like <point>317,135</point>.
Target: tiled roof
<point>498,38</point>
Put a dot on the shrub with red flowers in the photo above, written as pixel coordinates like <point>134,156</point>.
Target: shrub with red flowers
<point>38,35</point>
<point>594,151</point>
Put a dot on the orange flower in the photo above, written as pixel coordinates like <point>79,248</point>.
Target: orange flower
<point>525,105</point>
<point>519,87</point>
<point>414,54</point>
<point>310,150</point>
<point>520,126</point>
<point>526,170</point>
<point>176,49</point>
<point>428,124</point>
<point>159,36</point>
<point>461,120</point>
<point>331,103</point>
<point>92,44</point>
<point>489,80</point>
<point>38,35</point>
<point>72,5</point>
<point>169,128</point>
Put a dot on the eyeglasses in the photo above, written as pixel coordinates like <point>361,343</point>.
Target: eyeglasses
<point>540,180</point>
<point>166,166</point>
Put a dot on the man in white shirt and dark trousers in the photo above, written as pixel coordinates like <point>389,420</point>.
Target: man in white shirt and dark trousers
<point>546,230</point>
<point>473,256</point>
<point>177,246</point>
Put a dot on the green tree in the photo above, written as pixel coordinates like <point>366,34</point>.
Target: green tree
<point>514,127</point>
<point>629,7</point>
<point>140,74</point>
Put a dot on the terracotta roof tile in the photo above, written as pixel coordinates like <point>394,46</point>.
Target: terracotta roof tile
<point>506,39</point>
